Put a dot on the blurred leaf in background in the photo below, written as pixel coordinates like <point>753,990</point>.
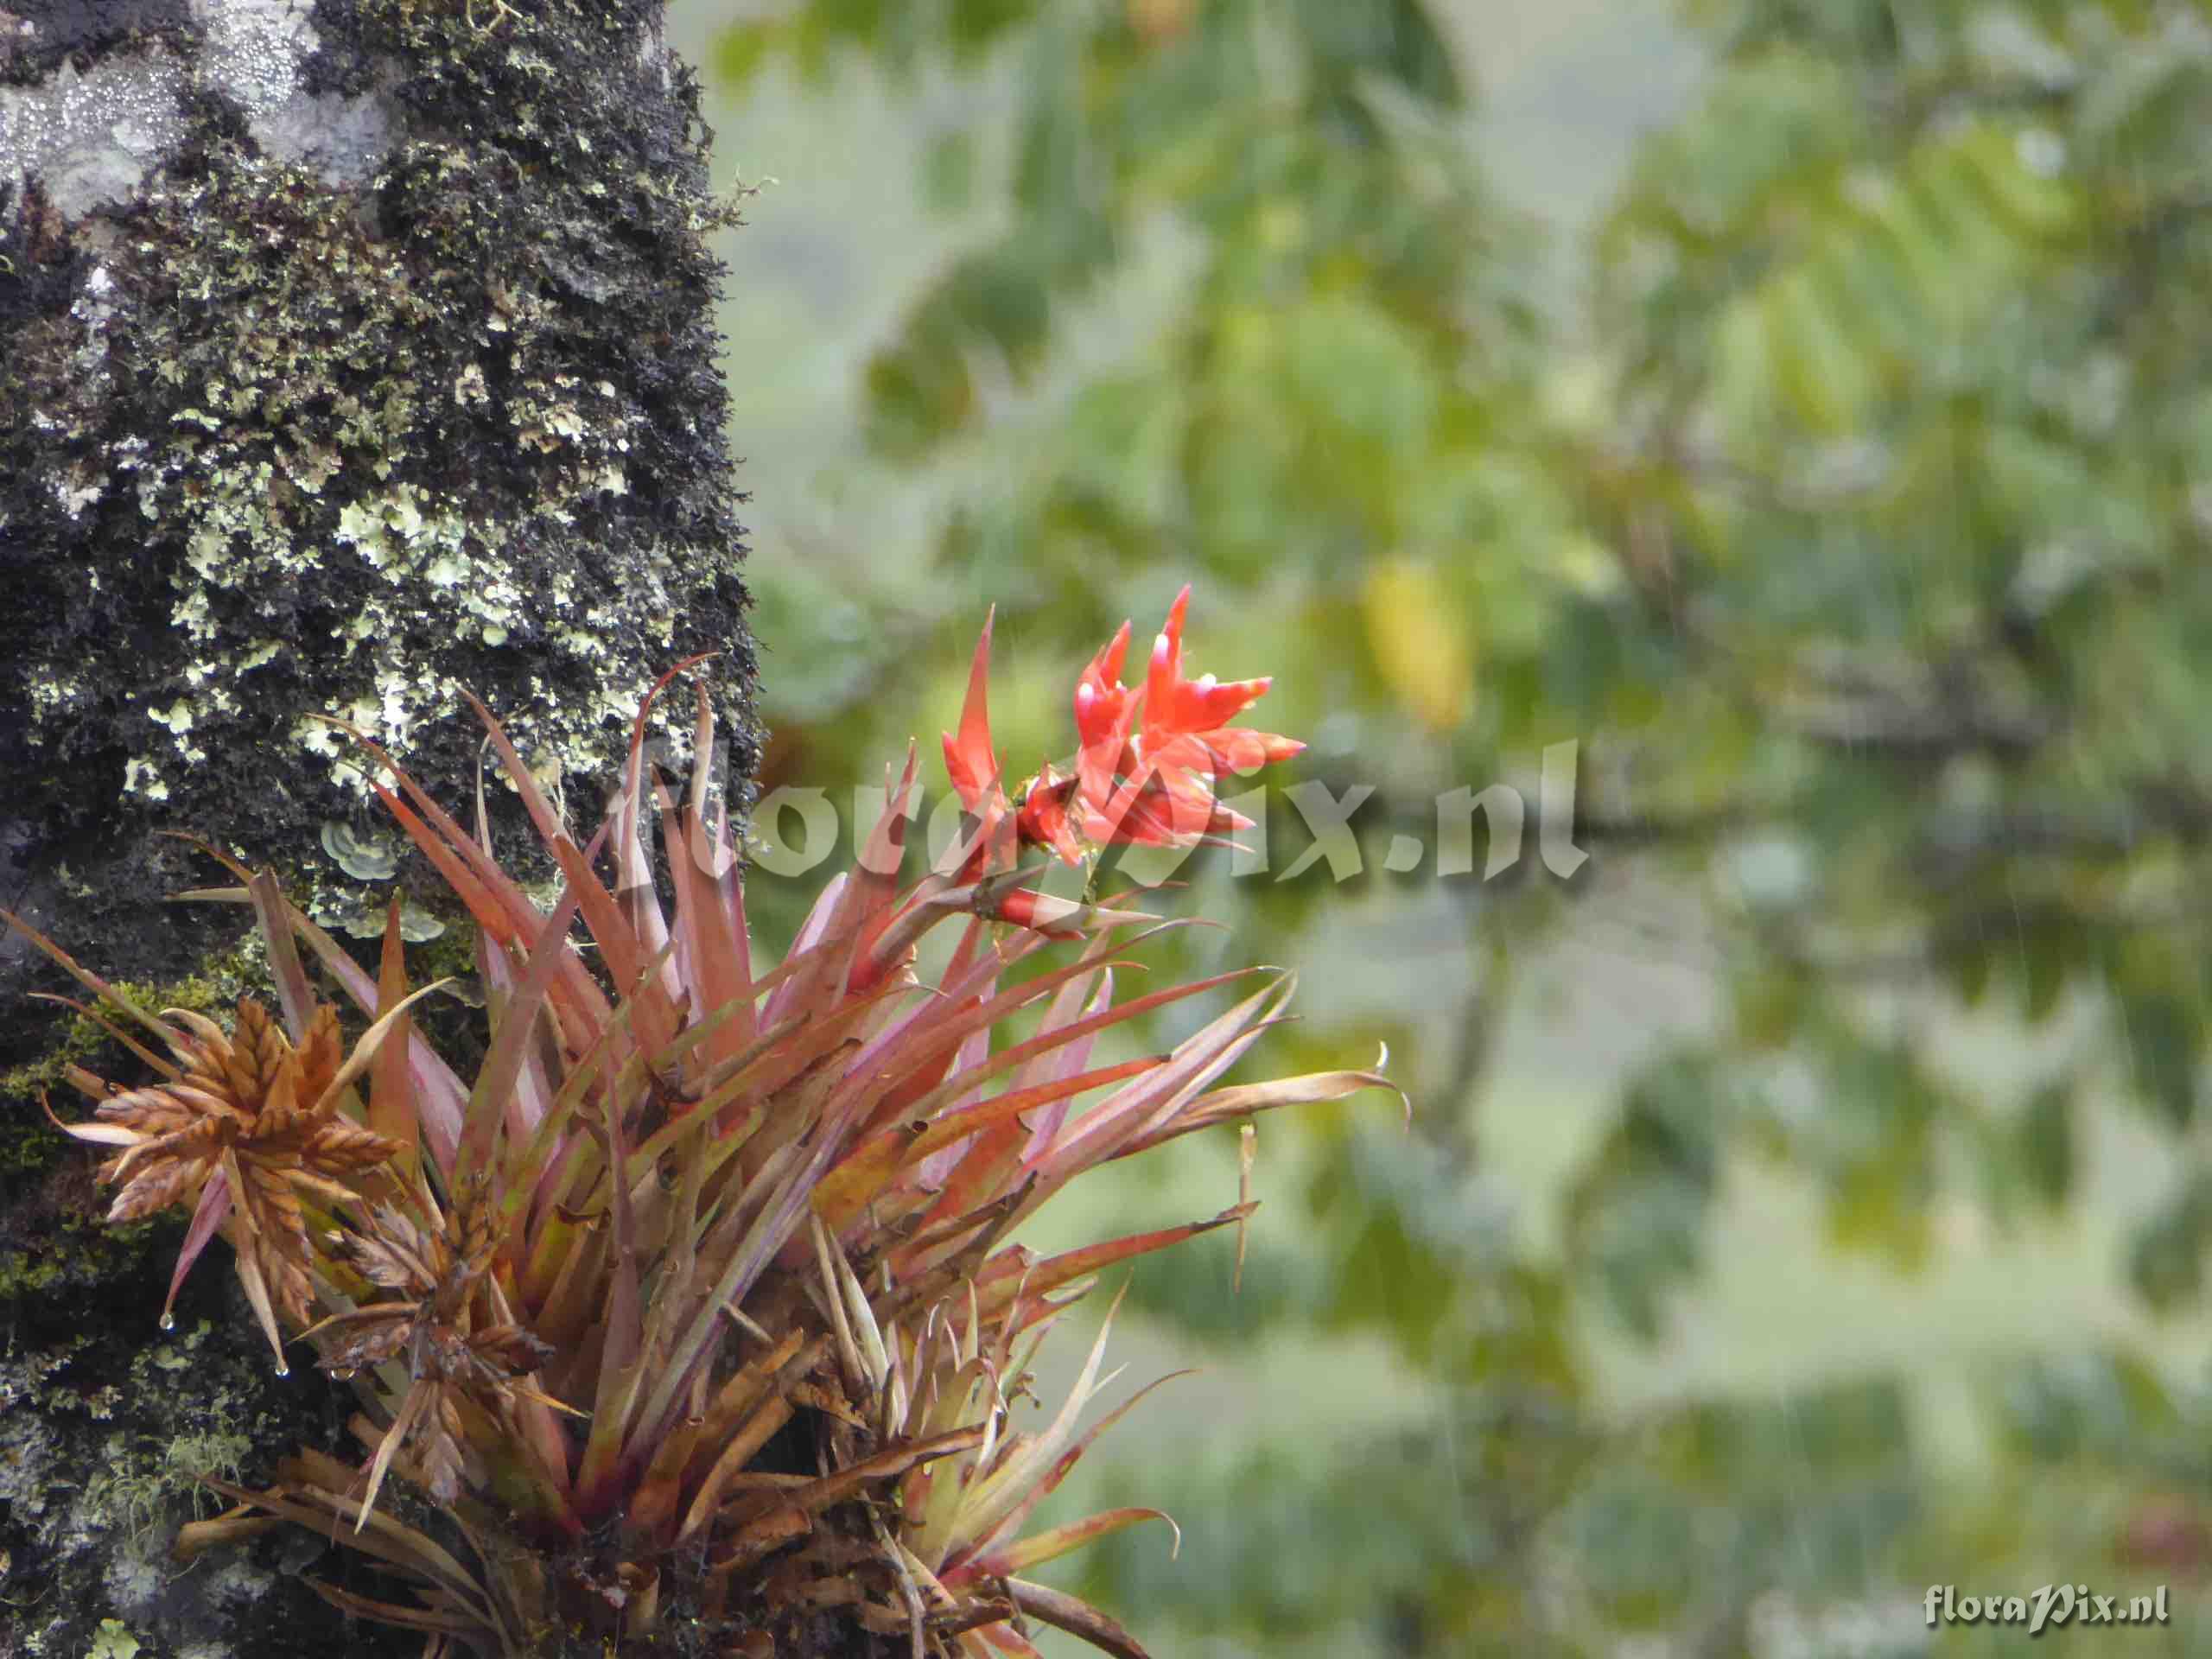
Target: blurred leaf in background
<point>1842,494</point>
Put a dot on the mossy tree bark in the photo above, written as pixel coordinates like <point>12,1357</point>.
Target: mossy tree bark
<point>352,353</point>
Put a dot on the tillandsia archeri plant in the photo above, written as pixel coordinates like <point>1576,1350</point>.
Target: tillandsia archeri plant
<point>693,1318</point>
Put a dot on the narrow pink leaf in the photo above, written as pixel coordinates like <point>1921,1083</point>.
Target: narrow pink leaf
<point>495,1083</point>
<point>292,987</point>
<point>206,1219</point>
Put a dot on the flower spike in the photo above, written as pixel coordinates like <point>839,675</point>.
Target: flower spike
<point>1148,760</point>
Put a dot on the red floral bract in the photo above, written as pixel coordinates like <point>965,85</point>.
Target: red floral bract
<point>1148,767</point>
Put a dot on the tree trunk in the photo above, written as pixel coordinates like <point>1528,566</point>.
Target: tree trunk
<point>351,353</point>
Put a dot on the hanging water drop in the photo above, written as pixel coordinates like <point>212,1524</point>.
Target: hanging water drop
<point>344,1373</point>
<point>283,1370</point>
<point>169,1321</point>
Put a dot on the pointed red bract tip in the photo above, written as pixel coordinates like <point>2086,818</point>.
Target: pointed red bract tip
<point>970,760</point>
<point>1107,664</point>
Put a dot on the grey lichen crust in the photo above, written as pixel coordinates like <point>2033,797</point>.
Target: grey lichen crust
<point>277,445</point>
<point>91,135</point>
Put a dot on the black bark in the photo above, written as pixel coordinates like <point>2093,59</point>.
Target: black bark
<point>351,353</point>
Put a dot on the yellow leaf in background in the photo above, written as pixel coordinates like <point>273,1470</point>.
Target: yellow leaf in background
<point>1421,640</point>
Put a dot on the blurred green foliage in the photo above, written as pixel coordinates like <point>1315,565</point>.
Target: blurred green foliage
<point>1854,522</point>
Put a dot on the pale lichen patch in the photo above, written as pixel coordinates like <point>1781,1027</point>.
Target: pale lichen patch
<point>142,777</point>
<point>93,136</point>
<point>318,738</point>
<point>78,489</point>
<point>51,693</point>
